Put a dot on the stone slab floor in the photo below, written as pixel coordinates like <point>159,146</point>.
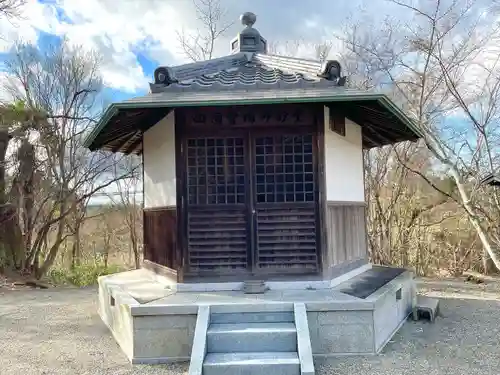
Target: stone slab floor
<point>58,331</point>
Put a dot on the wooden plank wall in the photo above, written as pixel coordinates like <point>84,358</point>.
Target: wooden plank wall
<point>346,233</point>
<point>160,237</point>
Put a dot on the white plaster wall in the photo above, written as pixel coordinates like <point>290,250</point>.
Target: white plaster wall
<point>344,163</point>
<point>159,164</point>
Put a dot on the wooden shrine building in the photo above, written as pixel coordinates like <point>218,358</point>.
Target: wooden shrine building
<point>255,247</point>
<point>253,164</point>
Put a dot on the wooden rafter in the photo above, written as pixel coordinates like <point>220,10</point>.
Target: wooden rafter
<point>123,142</point>
<point>134,147</point>
<point>128,122</point>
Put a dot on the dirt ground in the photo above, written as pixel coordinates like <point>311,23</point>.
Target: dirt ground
<point>57,331</point>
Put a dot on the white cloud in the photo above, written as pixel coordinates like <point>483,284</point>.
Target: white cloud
<point>34,15</point>
<point>120,29</point>
<point>117,31</point>
<point>114,30</point>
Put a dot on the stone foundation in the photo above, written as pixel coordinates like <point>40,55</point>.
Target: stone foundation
<point>162,331</point>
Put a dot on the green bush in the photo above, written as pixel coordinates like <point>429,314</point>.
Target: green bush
<point>83,275</point>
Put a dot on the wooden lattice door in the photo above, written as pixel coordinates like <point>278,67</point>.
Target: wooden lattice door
<point>251,205</point>
<point>250,191</point>
<point>285,204</point>
<point>217,231</point>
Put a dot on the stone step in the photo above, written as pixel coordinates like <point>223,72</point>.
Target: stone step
<point>253,317</point>
<point>251,337</point>
<point>277,363</point>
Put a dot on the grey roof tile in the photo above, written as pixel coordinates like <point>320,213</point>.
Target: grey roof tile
<point>172,98</point>
<point>284,63</point>
<point>245,71</point>
<point>186,72</point>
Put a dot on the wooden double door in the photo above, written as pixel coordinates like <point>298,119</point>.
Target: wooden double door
<point>251,203</point>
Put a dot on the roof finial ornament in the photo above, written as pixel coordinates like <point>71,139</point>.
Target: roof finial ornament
<point>248,19</point>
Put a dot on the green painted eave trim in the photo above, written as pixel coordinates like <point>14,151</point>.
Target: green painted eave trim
<point>108,114</point>
<point>396,111</point>
<point>114,108</point>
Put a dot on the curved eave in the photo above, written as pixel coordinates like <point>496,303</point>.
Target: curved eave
<point>398,113</point>
<point>122,125</point>
<point>121,129</point>
<point>491,179</point>
<point>382,122</point>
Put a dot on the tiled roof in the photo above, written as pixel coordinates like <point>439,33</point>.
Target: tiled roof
<point>305,66</point>
<point>249,76</point>
<point>204,97</point>
<point>245,71</point>
<point>189,71</point>
<point>248,67</point>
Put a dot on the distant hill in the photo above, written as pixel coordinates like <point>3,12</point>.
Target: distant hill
<point>94,209</point>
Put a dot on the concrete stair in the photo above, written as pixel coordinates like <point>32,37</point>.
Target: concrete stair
<point>251,337</point>
<point>247,317</point>
<point>275,363</point>
<point>252,344</point>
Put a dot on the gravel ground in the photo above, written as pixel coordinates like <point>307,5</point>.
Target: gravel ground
<point>59,332</point>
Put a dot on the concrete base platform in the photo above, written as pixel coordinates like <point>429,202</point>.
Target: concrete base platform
<point>159,327</point>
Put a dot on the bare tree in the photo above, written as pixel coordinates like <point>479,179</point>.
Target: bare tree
<point>285,48</point>
<point>200,45</point>
<point>54,174</point>
<point>404,213</point>
<point>75,222</point>
<point>301,48</point>
<point>440,64</point>
<point>15,120</point>
<point>11,8</point>
<point>129,205</point>
<point>323,50</point>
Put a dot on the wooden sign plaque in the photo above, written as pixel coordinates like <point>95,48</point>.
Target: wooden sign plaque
<point>261,116</point>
